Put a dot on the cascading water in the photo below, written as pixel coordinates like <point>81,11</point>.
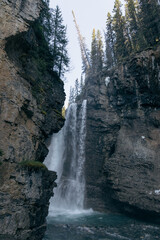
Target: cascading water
<point>67,157</point>
<point>67,219</point>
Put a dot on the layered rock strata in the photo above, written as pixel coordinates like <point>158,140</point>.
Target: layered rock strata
<point>123,137</point>
<point>30,111</point>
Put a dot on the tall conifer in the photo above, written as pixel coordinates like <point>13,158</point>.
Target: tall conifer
<point>59,42</point>
<point>94,51</point>
<point>135,31</point>
<point>119,29</point>
<point>77,88</point>
<point>110,42</point>
<point>149,17</point>
<point>100,55</point>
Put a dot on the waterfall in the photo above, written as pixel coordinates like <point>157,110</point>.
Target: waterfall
<point>67,157</point>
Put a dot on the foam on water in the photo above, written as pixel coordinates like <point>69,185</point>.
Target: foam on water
<point>71,213</point>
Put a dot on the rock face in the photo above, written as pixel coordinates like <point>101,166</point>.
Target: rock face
<point>24,201</point>
<point>123,137</point>
<point>30,111</point>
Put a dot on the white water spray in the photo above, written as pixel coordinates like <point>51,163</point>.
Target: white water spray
<point>67,157</point>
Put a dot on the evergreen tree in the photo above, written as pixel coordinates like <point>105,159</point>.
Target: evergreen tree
<point>51,33</point>
<point>59,42</point>
<point>81,83</point>
<point>110,42</point>
<point>77,88</point>
<point>45,17</point>
<point>86,57</point>
<point>43,32</point>
<point>140,28</point>
<point>100,56</point>
<point>131,19</point>
<point>119,29</point>
<point>133,26</point>
<point>94,51</point>
<point>71,95</point>
<point>63,62</point>
<point>108,54</point>
<point>46,2</point>
<point>127,32</point>
<point>149,17</point>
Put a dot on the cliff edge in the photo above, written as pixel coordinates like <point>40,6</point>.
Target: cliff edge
<point>123,137</point>
<point>31,99</point>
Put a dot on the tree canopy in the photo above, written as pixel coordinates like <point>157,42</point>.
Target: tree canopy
<point>138,29</point>
<point>127,32</point>
<point>52,34</point>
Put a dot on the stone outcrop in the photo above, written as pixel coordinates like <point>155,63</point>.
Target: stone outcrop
<point>123,137</point>
<point>30,111</point>
<point>24,201</point>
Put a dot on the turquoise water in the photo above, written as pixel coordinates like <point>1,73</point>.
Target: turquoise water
<point>89,225</point>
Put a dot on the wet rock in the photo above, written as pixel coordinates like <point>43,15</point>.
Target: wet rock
<point>122,147</point>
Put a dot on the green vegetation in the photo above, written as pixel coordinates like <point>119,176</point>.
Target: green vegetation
<point>77,89</point>
<point>32,164</point>
<point>96,52</point>
<point>52,41</point>
<point>41,52</point>
<point>126,34</point>
<point>46,53</point>
<point>137,30</point>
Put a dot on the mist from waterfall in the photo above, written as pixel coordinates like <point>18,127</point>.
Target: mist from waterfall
<point>67,157</point>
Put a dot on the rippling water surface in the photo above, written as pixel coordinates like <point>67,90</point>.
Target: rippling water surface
<point>89,225</point>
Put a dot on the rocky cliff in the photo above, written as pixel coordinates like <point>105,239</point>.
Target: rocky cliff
<point>123,137</point>
<point>31,98</point>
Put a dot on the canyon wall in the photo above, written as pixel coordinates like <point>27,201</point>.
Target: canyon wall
<point>123,137</point>
<point>31,99</point>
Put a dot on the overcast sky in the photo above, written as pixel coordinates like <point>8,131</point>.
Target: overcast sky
<point>89,14</point>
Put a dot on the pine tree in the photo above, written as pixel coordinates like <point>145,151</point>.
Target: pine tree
<point>94,51</point>
<point>59,42</point>
<point>108,54</point>
<point>140,28</point>
<point>46,2</point>
<point>45,17</point>
<point>43,32</point>
<point>100,56</point>
<point>81,83</point>
<point>63,62</point>
<point>119,29</point>
<point>77,88</point>
<point>134,32</point>
<point>149,17</point>
<point>131,24</point>
<point>128,41</point>
<point>110,42</point>
<point>71,95</point>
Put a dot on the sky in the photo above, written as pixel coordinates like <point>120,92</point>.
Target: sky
<point>89,14</point>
